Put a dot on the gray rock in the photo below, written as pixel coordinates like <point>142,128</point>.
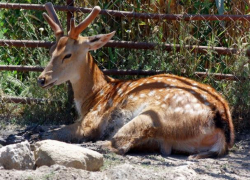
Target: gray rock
<point>17,156</point>
<point>50,152</point>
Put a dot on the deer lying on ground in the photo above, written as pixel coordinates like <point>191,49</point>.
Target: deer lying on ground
<point>164,112</point>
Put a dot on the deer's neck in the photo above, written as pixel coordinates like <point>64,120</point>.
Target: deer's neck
<point>91,80</point>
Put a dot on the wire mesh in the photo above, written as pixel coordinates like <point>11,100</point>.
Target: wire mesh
<point>22,24</point>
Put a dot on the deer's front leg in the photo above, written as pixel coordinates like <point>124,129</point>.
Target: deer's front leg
<point>69,133</point>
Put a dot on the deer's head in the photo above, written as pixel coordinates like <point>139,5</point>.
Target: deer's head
<point>69,53</point>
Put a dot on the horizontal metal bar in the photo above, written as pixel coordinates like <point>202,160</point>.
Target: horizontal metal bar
<point>217,76</point>
<point>186,17</point>
<point>220,76</point>
<point>130,45</point>
<point>26,43</point>
<point>130,72</point>
<point>20,68</point>
<point>25,100</point>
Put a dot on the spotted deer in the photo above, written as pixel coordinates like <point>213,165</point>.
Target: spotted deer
<point>165,113</point>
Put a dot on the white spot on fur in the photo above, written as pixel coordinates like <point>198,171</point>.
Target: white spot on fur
<point>151,93</point>
<point>119,91</point>
<point>191,111</point>
<point>163,105</point>
<point>178,110</point>
<point>187,106</point>
<point>194,87</point>
<point>142,95</point>
<point>135,98</point>
<point>131,84</point>
<point>154,78</point>
<point>197,106</point>
<point>158,97</point>
<point>195,84</point>
<point>130,97</point>
<point>204,97</point>
<point>193,100</point>
<point>101,93</point>
<point>174,97</point>
<point>161,90</point>
<point>179,99</point>
<point>157,102</point>
<point>171,85</point>
<point>166,97</point>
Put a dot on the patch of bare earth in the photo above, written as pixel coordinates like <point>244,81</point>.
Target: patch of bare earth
<point>235,165</point>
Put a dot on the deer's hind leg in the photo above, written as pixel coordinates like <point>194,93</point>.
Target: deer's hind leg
<point>139,130</point>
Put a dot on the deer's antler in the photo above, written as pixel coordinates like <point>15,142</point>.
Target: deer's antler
<point>76,30</point>
<point>53,20</point>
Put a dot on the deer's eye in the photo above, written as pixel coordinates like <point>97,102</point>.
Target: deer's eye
<point>66,57</point>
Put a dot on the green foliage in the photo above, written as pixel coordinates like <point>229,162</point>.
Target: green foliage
<point>27,24</point>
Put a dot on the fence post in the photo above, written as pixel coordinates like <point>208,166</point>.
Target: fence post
<point>70,100</point>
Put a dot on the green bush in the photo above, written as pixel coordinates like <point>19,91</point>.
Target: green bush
<point>27,24</point>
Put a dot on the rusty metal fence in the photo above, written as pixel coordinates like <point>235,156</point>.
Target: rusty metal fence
<point>185,38</point>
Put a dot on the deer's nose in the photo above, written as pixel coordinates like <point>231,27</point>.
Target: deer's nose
<point>41,81</point>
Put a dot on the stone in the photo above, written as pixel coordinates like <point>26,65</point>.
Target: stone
<point>17,156</point>
<point>50,152</point>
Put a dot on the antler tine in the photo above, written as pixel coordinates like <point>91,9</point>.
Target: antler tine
<point>52,13</point>
<point>75,31</point>
<point>53,20</point>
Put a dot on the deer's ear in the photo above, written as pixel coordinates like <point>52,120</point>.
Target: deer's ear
<point>96,42</point>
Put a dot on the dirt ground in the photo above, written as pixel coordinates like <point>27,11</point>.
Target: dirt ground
<point>235,165</point>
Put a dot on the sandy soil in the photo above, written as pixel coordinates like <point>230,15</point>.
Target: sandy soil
<point>235,165</point>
